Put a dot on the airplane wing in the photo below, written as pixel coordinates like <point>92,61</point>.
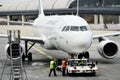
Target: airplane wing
<point>25,38</point>
<point>19,22</point>
<point>33,39</point>
<point>106,35</point>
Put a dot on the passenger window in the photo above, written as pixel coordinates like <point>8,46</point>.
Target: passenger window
<point>83,28</point>
<point>74,28</point>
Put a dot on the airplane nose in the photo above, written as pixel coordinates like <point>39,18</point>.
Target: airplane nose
<point>74,42</point>
<point>81,46</point>
<point>80,42</point>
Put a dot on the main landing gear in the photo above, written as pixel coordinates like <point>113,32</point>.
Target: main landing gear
<point>27,54</point>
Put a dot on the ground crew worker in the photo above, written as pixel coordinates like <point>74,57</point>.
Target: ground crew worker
<point>63,67</point>
<point>105,26</point>
<point>52,67</point>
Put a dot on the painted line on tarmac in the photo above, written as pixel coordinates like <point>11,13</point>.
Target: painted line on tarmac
<point>41,52</point>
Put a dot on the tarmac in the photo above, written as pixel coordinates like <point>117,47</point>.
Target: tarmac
<point>38,69</point>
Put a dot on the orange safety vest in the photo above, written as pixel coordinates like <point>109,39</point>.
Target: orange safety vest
<point>63,64</point>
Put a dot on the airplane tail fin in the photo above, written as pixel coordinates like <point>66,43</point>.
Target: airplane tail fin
<point>40,7</point>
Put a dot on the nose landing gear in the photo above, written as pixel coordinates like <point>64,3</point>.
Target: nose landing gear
<point>80,55</point>
<point>84,54</point>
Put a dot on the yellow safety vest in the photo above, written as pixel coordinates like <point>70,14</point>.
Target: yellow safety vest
<point>52,65</point>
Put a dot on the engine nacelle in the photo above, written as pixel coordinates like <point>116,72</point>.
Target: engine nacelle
<point>13,51</point>
<point>108,49</point>
<point>47,44</point>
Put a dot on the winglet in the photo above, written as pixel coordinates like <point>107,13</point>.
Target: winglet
<point>40,7</point>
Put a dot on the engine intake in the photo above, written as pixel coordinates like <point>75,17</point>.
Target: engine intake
<point>15,51</point>
<point>108,49</point>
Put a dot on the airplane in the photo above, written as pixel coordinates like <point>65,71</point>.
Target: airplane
<point>69,33</point>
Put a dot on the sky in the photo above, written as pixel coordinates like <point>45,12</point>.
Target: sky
<point>10,1</point>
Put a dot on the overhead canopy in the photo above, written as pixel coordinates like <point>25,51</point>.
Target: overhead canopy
<point>33,5</point>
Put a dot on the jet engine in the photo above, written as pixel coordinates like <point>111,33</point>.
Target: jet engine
<point>14,51</point>
<point>108,49</point>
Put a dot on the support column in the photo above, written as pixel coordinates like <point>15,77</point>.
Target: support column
<point>119,19</point>
<point>23,20</point>
<point>95,19</point>
<point>101,19</point>
<point>8,20</point>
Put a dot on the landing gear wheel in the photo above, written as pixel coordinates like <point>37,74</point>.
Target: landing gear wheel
<point>72,56</point>
<point>30,56</point>
<point>80,56</point>
<point>23,57</point>
<point>86,55</point>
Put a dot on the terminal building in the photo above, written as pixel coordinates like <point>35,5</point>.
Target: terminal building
<point>94,11</point>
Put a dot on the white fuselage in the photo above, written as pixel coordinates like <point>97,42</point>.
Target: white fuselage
<point>71,34</point>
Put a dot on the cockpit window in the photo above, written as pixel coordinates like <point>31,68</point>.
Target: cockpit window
<point>66,28</point>
<point>63,28</point>
<point>83,28</point>
<point>74,28</point>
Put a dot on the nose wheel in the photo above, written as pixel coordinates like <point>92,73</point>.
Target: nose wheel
<point>84,54</point>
